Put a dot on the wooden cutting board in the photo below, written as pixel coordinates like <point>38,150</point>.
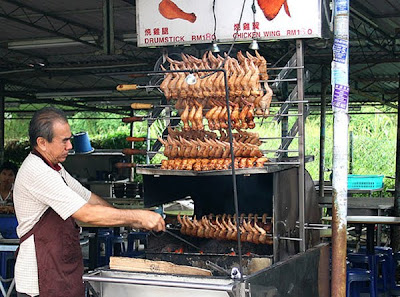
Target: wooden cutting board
<point>143,265</point>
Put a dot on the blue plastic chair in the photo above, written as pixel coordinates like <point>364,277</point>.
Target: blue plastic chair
<point>353,278</point>
<point>361,264</point>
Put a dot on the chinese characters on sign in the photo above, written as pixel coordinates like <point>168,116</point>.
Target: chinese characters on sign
<point>182,22</point>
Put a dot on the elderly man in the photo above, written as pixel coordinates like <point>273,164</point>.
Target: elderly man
<point>47,201</point>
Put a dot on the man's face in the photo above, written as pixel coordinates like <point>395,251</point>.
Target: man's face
<point>7,177</point>
<point>57,150</point>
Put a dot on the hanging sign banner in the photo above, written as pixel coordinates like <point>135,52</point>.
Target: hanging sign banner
<point>184,22</point>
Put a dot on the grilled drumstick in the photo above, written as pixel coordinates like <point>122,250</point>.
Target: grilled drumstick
<point>230,230</point>
<point>262,238</point>
<point>266,225</point>
<point>199,227</point>
<point>191,118</point>
<point>198,117</point>
<point>222,230</point>
<point>185,117</point>
<point>183,226</point>
<point>233,227</point>
<point>164,86</point>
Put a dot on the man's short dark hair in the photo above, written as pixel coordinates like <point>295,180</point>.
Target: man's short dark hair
<point>9,166</point>
<point>41,124</point>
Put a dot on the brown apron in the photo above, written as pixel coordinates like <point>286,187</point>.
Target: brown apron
<point>58,253</point>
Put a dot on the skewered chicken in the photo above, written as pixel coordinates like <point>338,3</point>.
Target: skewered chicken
<point>224,227</point>
<point>185,118</point>
<point>175,134</point>
<point>207,148</point>
<point>165,83</point>
<point>265,102</point>
<point>243,79</point>
<point>191,118</point>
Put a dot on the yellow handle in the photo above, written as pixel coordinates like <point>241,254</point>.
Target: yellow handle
<point>141,105</point>
<point>126,87</point>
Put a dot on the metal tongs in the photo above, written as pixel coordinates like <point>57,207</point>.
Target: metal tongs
<point>181,239</point>
<point>234,273</point>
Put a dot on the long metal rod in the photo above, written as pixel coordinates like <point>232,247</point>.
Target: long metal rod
<point>396,229</point>
<point>132,158</point>
<point>2,109</point>
<point>275,80</point>
<point>340,83</point>
<point>160,283</point>
<point>291,238</point>
<point>181,239</point>
<point>322,132</point>
<point>301,145</point>
<point>235,197</point>
<point>275,138</point>
<point>285,67</point>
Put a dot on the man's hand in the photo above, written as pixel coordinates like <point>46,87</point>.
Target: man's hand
<point>151,220</point>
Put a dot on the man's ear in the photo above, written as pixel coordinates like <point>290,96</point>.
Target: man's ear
<point>41,143</point>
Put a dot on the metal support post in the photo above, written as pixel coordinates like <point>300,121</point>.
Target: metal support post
<point>324,88</point>
<point>395,230</point>
<point>108,27</point>
<point>340,86</point>
<point>351,153</point>
<point>132,158</point>
<point>2,111</point>
<point>300,98</point>
<point>285,120</point>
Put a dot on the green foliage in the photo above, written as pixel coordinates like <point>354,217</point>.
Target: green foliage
<point>108,123</point>
<point>15,127</point>
<point>373,143</point>
<point>373,139</point>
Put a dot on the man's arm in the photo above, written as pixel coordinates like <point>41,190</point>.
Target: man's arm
<point>97,200</point>
<point>100,215</point>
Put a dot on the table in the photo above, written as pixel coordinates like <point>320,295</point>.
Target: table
<point>370,222</point>
<point>8,245</point>
<point>363,206</point>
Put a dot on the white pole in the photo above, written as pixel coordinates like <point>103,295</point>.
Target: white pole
<point>340,96</point>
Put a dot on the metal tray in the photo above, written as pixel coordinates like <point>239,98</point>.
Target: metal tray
<point>155,170</point>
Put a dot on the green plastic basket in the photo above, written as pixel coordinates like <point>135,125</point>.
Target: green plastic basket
<point>364,182</point>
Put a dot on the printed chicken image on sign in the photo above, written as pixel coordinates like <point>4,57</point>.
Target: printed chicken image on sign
<point>271,8</point>
<point>185,22</point>
<point>170,10</point>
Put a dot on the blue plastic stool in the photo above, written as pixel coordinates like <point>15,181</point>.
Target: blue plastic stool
<point>358,275</point>
<point>132,250</point>
<point>395,288</point>
<point>120,241</point>
<point>389,282</point>
<point>366,263</point>
<point>387,279</point>
<point>7,263</point>
<point>104,250</point>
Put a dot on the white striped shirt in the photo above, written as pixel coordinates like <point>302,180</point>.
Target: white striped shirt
<point>37,187</point>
